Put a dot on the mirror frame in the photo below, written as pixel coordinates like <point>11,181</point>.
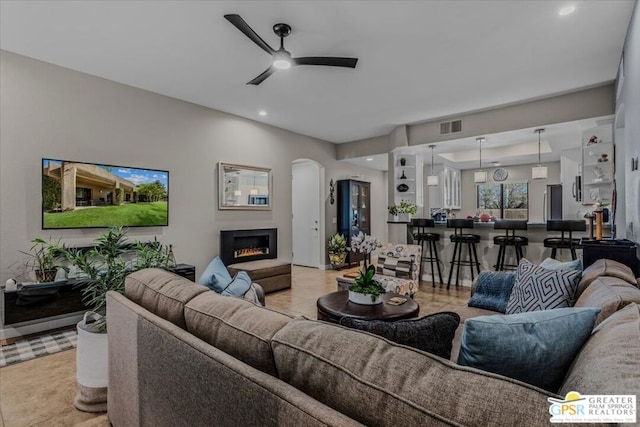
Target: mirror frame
<point>246,207</point>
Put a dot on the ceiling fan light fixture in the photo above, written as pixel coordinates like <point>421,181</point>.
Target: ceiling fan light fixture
<point>282,60</point>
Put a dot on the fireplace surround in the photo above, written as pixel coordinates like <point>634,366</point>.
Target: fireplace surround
<point>248,245</point>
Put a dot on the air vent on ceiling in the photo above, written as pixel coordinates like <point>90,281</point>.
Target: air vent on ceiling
<point>454,126</point>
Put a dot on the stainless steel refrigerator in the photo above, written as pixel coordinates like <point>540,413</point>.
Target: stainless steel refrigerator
<point>553,201</point>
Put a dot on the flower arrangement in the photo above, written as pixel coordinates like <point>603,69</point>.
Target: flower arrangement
<point>364,244</point>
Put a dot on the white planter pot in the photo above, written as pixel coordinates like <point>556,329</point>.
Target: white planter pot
<point>404,217</point>
<point>364,299</point>
<point>92,358</point>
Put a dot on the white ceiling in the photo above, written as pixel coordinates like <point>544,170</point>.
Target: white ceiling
<point>418,60</point>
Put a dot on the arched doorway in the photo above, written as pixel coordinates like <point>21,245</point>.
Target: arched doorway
<point>307,213</point>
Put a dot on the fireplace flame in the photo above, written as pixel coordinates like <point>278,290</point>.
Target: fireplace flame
<point>250,252</point>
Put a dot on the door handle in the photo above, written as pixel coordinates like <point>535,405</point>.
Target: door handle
<point>573,190</point>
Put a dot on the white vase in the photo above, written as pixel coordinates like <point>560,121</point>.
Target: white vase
<point>92,369</point>
<point>404,217</point>
<point>364,299</point>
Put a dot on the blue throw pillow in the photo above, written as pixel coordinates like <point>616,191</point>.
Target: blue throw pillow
<point>536,348</point>
<point>554,264</point>
<point>215,276</point>
<point>492,290</point>
<point>238,286</point>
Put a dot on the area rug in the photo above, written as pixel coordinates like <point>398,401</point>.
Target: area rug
<point>32,348</point>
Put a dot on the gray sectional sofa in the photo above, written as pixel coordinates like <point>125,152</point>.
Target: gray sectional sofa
<point>182,355</point>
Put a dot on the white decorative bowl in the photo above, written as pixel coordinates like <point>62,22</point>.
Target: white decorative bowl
<point>364,299</point>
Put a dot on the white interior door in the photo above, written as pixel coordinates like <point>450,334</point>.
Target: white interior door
<point>306,214</point>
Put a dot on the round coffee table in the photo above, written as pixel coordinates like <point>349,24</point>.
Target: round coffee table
<point>336,305</point>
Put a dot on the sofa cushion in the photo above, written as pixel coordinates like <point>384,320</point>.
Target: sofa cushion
<point>239,286</point>
<point>215,276</point>
<point>537,288</point>
<point>554,264</point>
<point>609,362</point>
<point>610,294</point>
<point>162,293</point>
<point>432,333</point>
<point>492,290</point>
<point>536,347</point>
<point>377,382</point>
<point>605,267</point>
<point>235,326</point>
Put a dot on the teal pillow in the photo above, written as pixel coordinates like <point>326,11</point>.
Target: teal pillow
<point>215,276</point>
<point>554,264</point>
<point>536,347</point>
<point>238,286</point>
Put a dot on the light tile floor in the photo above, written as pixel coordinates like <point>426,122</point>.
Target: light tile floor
<point>40,392</point>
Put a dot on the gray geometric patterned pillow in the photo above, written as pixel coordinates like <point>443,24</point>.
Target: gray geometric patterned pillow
<point>537,288</point>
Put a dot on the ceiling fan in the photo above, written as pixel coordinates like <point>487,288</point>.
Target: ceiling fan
<point>282,58</point>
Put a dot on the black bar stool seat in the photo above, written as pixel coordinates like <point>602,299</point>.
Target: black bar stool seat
<point>421,236</point>
<point>461,239</point>
<point>563,242</point>
<point>509,239</point>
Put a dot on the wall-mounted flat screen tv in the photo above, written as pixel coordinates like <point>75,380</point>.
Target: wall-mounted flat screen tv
<point>90,195</point>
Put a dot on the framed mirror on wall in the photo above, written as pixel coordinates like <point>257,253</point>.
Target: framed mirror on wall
<point>243,187</point>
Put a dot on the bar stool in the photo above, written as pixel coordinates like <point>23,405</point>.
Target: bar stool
<point>562,242</point>
<point>459,239</point>
<point>421,236</point>
<point>509,239</point>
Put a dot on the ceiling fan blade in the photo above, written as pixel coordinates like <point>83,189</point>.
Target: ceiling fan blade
<point>262,77</point>
<point>240,24</point>
<point>326,60</point>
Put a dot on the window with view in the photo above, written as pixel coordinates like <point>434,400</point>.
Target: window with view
<point>504,201</point>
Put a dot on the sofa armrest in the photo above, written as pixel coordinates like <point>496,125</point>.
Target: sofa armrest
<point>259,293</point>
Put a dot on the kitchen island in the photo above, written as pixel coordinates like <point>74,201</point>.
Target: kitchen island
<point>487,251</point>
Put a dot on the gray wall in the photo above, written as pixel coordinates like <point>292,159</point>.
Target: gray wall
<point>628,132</point>
<point>50,111</point>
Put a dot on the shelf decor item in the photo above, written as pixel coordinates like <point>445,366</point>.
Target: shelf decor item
<point>402,188</point>
<point>403,161</point>
<point>539,172</point>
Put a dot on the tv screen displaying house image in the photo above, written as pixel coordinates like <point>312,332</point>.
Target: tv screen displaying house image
<point>90,195</point>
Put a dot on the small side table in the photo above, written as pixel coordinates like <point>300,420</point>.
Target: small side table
<point>185,270</point>
<point>336,305</point>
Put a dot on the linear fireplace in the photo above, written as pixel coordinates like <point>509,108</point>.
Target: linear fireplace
<point>248,245</point>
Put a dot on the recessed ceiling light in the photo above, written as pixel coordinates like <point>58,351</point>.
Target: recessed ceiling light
<point>567,10</point>
<point>262,113</point>
<point>369,159</point>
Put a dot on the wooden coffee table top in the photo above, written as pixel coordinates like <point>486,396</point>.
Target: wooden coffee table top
<point>332,307</point>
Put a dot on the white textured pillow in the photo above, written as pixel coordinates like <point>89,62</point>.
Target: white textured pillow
<point>537,288</point>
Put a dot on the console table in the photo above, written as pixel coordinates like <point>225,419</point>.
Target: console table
<point>185,270</point>
<point>621,250</point>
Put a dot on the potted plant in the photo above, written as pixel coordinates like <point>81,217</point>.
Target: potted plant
<point>337,249</point>
<point>44,259</point>
<point>105,269</point>
<point>393,211</point>
<point>365,289</point>
<point>406,209</point>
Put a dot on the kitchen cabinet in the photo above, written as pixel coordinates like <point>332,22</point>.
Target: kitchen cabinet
<point>598,165</point>
<point>451,188</point>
